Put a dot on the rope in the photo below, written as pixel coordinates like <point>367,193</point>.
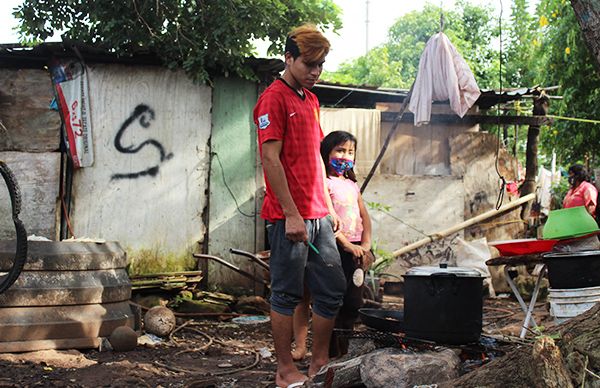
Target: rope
<point>503,184</point>
<point>589,121</point>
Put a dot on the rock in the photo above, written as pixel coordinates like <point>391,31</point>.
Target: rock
<point>394,367</point>
<point>123,339</point>
<point>159,320</point>
<point>359,346</point>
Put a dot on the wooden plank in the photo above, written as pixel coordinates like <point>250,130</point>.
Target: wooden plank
<point>167,274</point>
<point>26,121</point>
<point>38,177</point>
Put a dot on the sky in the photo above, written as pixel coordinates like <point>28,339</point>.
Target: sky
<point>353,39</point>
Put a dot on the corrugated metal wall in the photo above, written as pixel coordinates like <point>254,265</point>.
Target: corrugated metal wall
<point>153,207</point>
<point>233,179</point>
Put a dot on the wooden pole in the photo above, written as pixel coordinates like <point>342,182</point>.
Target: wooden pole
<point>388,138</point>
<point>462,225</point>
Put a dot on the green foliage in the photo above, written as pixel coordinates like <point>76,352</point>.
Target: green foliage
<point>382,262</point>
<point>565,60</point>
<point>395,63</point>
<point>199,36</point>
<point>545,48</point>
<point>558,192</point>
<point>521,44</point>
<point>378,206</point>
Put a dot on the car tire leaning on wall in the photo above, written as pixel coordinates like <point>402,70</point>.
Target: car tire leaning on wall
<point>18,261</point>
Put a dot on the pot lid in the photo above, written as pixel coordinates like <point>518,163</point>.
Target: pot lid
<point>443,269</point>
<point>571,254</point>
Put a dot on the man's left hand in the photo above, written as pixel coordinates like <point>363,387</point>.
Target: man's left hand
<point>335,220</point>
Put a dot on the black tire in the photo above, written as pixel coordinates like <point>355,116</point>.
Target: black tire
<point>21,252</point>
<point>13,189</point>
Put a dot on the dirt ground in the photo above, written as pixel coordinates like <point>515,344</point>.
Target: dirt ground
<point>199,354</point>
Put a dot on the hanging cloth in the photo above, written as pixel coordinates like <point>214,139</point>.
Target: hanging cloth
<point>443,75</point>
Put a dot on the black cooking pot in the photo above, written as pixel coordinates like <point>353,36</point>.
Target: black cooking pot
<point>443,304</point>
<point>573,269</point>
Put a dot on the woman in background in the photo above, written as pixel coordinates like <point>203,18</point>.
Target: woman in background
<point>582,192</point>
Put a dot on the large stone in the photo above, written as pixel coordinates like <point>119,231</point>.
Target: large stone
<point>159,320</point>
<point>393,367</point>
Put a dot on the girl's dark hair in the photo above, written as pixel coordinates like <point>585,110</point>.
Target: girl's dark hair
<point>579,173</point>
<point>333,139</point>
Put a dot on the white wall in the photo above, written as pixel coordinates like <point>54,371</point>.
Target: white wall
<point>426,203</point>
<point>157,219</point>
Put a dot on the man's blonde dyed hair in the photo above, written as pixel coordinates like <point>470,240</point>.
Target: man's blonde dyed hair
<point>309,41</point>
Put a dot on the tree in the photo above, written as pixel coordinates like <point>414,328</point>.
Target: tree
<point>519,60</point>
<point>565,60</point>
<point>199,36</point>
<point>395,63</point>
<point>588,16</point>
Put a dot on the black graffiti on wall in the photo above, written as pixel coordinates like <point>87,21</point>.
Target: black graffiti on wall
<point>439,251</point>
<point>144,115</point>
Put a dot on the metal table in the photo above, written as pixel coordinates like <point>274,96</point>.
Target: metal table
<point>514,261</point>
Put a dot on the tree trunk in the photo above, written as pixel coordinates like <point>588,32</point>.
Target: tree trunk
<point>540,108</point>
<point>587,13</point>
<point>575,362</point>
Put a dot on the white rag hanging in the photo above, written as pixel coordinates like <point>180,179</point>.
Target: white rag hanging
<point>443,75</point>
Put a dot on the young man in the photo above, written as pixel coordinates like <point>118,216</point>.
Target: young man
<point>297,208</point>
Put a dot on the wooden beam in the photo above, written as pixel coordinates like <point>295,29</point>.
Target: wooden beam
<point>471,119</point>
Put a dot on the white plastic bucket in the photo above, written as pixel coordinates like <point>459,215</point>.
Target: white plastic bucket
<point>568,303</point>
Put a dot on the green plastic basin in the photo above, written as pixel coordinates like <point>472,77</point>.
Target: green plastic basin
<point>568,223</point>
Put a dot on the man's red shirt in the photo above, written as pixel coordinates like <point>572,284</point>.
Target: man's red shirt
<point>282,114</point>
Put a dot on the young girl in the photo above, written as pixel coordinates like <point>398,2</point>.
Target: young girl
<point>354,239</point>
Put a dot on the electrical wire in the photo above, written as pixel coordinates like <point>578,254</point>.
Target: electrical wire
<point>237,206</point>
<point>343,98</point>
<point>403,222</point>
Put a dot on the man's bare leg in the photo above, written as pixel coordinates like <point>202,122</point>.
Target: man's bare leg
<point>301,317</point>
<point>287,373</point>
<point>322,328</point>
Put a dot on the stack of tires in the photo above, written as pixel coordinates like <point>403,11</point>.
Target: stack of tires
<point>68,295</point>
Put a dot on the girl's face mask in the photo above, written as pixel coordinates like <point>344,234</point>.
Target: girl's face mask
<point>341,165</point>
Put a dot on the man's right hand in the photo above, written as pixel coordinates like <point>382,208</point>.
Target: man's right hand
<point>295,229</point>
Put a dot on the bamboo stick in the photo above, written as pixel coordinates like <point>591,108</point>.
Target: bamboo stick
<point>463,225</point>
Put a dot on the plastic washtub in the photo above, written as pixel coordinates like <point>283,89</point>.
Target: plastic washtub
<point>569,303</point>
<point>526,246</point>
<point>568,223</point>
